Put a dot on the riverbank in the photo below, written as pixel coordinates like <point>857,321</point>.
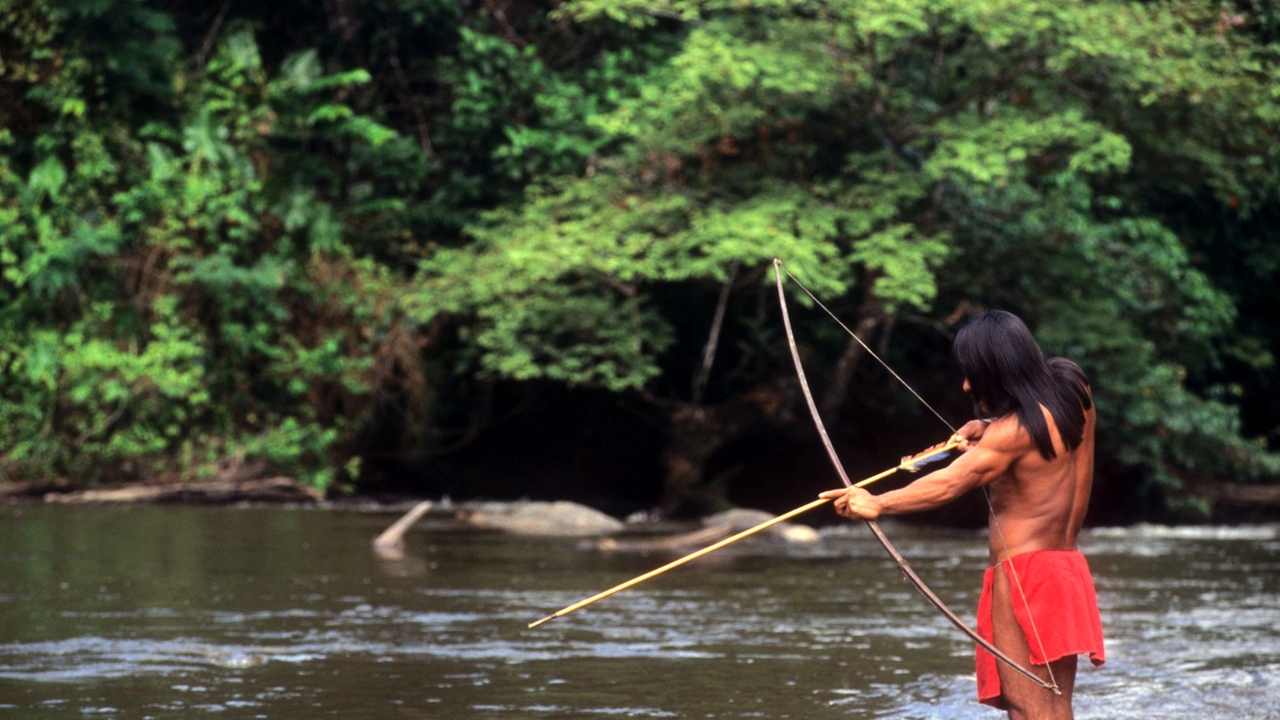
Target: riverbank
<point>521,518</point>
<point>214,492</point>
<point>1226,502</point>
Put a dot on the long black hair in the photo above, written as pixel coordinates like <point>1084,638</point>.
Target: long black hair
<point>1008,373</point>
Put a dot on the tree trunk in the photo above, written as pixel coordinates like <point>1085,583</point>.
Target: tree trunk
<point>837,393</point>
<point>696,432</point>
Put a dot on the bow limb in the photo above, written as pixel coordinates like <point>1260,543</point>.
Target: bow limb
<point>951,616</point>
<point>875,528</point>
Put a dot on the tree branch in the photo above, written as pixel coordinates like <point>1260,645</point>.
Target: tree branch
<point>212,35</point>
<point>411,101</point>
<point>869,318</point>
<point>713,338</point>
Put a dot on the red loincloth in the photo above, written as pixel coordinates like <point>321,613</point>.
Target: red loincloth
<point>1059,591</point>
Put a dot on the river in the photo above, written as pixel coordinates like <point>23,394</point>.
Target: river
<point>269,612</point>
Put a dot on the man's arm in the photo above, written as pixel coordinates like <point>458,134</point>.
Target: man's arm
<point>1003,442</point>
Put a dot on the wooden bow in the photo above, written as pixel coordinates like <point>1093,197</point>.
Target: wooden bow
<point>875,528</point>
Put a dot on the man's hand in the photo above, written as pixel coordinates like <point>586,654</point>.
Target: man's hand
<point>969,434</point>
<point>854,503</point>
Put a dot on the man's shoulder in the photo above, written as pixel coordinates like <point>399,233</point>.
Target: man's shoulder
<point>1005,434</point>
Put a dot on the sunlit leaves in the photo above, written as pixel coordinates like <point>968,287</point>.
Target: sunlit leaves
<point>728,78</point>
<point>579,333</point>
<point>990,149</point>
<point>902,265</point>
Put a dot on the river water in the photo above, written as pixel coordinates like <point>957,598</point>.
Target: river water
<point>189,612</point>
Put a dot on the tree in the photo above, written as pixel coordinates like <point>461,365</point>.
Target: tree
<point>180,296</point>
<point>894,155</point>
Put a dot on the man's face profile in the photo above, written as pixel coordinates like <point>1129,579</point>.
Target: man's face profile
<point>978,410</point>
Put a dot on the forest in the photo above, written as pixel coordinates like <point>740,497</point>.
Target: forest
<point>506,248</point>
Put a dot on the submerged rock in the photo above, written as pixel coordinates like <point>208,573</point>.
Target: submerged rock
<point>540,518</point>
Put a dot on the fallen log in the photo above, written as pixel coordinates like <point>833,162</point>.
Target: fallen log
<point>1244,495</point>
<point>11,492</point>
<point>276,489</point>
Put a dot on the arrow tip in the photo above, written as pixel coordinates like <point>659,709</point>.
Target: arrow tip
<point>536,623</point>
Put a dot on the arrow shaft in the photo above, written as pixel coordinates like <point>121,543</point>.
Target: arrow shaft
<point>711,548</point>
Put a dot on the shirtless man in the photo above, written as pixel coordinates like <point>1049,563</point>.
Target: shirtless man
<point>1034,451</point>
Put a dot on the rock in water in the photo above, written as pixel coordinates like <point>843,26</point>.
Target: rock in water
<point>797,533</point>
<point>541,518</point>
<point>740,519</point>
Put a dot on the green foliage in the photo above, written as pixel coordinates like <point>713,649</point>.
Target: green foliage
<point>214,251</point>
<point>526,120</point>
<point>174,303</point>
<point>871,145</point>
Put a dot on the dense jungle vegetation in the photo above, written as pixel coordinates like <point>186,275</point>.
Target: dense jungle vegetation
<point>379,244</point>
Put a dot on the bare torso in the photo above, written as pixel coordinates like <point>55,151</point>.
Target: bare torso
<point>1039,504</point>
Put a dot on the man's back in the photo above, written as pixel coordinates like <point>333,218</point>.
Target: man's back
<point>1038,503</point>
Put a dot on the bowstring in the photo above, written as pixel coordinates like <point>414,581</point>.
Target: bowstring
<point>1021,593</point>
<point>871,352</point>
<point>985,494</point>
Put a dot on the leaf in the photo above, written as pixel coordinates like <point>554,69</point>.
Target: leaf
<point>46,180</point>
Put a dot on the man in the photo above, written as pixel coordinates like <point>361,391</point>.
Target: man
<point>1034,453</point>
